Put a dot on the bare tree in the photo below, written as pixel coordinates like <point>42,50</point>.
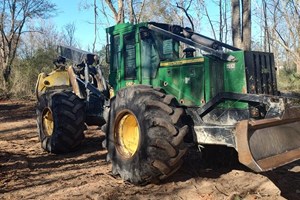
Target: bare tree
<point>139,14</point>
<point>117,12</point>
<point>223,9</point>
<point>218,26</point>
<point>246,24</point>
<point>69,35</point>
<point>206,13</point>
<point>137,11</point>
<point>45,38</point>
<point>241,28</point>
<point>222,23</point>
<point>132,17</point>
<point>95,24</point>
<point>220,20</point>
<point>35,53</point>
<point>284,28</point>
<point>236,23</point>
<point>267,46</point>
<point>160,11</point>
<point>13,17</point>
<point>185,10</point>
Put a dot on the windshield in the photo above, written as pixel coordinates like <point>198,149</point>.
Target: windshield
<point>155,48</point>
<point>165,47</point>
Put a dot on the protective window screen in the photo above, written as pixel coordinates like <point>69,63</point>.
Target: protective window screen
<point>130,56</point>
<point>149,58</point>
<point>116,52</point>
<point>168,48</point>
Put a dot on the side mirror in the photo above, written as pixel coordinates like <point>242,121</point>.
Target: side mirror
<point>107,53</point>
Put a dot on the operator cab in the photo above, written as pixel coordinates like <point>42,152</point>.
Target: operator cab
<point>163,55</point>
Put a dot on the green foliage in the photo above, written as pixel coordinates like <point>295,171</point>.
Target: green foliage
<point>26,71</point>
<point>288,80</point>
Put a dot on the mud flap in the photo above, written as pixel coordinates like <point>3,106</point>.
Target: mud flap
<point>269,143</point>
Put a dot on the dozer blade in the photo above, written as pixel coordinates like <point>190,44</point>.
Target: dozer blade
<point>269,143</point>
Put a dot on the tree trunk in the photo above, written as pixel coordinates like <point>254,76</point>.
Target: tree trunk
<point>119,16</point>
<point>225,23</point>
<point>236,23</point>
<point>6,71</point>
<point>298,66</point>
<point>221,21</point>
<point>120,12</point>
<point>5,68</point>
<point>241,30</point>
<point>267,47</point>
<point>14,15</point>
<point>132,17</point>
<point>246,31</point>
<point>95,25</point>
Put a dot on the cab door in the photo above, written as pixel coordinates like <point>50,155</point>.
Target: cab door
<point>115,61</point>
<point>129,72</point>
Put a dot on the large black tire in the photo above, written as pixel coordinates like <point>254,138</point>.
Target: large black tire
<point>159,148</point>
<point>60,120</point>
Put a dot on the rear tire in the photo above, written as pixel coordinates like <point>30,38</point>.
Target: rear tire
<point>60,120</point>
<point>146,132</point>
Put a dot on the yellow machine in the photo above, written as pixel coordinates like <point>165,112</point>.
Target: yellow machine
<point>65,105</point>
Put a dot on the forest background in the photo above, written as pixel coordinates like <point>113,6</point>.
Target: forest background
<point>28,34</point>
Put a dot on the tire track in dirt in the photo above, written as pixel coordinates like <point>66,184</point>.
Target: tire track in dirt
<point>27,172</point>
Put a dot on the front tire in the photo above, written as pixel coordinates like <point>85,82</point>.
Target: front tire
<point>146,132</point>
<point>60,120</point>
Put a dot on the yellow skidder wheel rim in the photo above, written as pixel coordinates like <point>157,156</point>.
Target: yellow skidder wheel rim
<point>127,134</point>
<point>47,121</point>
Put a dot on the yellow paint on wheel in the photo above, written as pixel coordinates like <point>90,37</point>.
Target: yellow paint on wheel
<point>48,124</point>
<point>127,134</point>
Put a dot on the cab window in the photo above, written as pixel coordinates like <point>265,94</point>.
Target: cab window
<point>149,55</point>
<point>129,56</point>
<point>116,53</point>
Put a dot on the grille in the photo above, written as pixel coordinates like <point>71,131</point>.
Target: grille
<point>260,73</point>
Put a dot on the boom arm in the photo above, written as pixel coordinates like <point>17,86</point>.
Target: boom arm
<point>204,43</point>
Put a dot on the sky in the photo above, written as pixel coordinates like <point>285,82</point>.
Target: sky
<point>70,11</point>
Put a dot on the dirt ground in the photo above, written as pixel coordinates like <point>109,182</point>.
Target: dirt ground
<point>28,172</point>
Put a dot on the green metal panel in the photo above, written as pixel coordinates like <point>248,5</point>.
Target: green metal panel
<point>193,81</point>
<point>170,80</point>
<point>234,74</point>
<point>235,78</point>
<point>184,79</point>
<point>192,87</point>
<point>223,76</point>
<point>207,82</point>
